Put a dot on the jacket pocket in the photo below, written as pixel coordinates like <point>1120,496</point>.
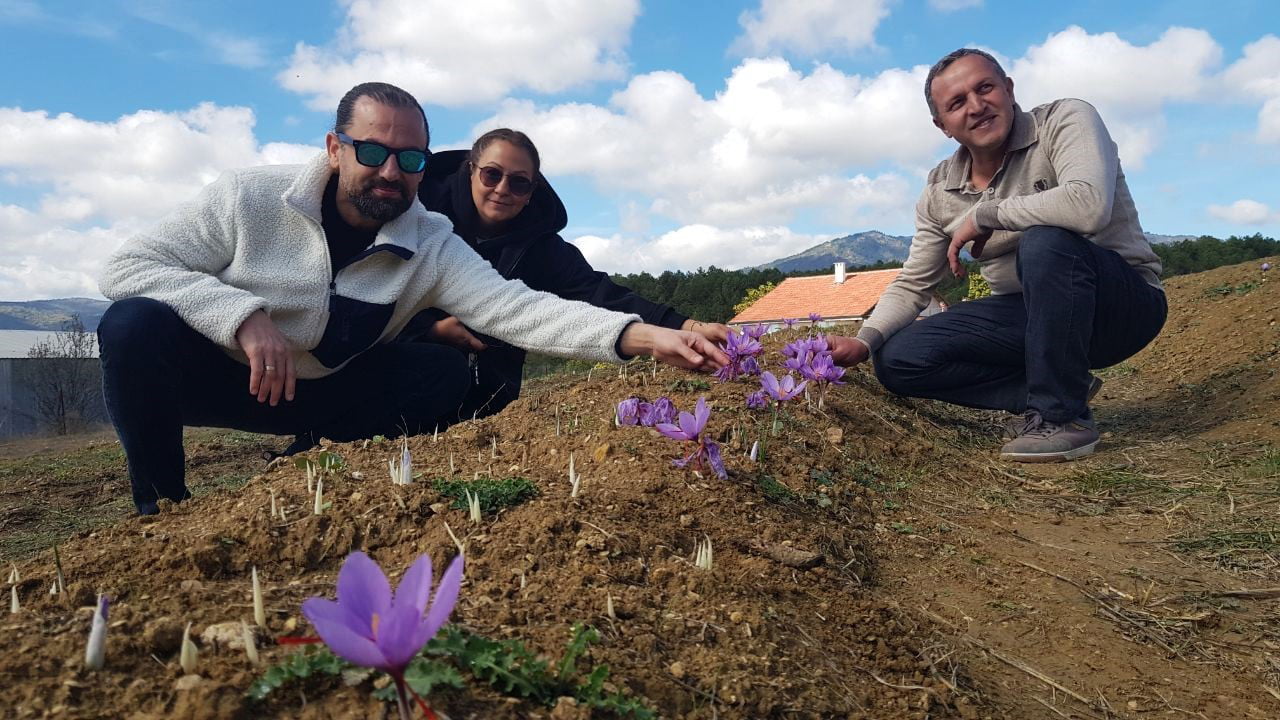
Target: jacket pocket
<point>353,327</point>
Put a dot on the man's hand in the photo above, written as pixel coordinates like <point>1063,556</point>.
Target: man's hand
<point>450,331</point>
<point>847,351</point>
<point>271,371</point>
<point>715,332</point>
<point>967,232</point>
<point>687,350</point>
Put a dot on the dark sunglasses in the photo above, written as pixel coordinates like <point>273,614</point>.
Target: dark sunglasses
<point>372,154</point>
<point>517,184</point>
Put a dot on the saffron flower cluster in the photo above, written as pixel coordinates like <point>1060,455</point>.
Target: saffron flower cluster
<point>742,349</point>
<point>370,626</point>
<point>811,357</point>
<point>637,411</point>
<point>688,427</point>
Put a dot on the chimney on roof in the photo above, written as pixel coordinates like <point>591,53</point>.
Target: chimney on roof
<point>839,268</point>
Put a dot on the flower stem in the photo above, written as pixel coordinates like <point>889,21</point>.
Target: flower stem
<point>402,698</point>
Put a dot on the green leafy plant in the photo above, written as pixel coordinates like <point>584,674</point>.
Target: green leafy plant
<point>298,666</point>
<point>688,385</point>
<point>424,676</point>
<point>775,491</point>
<point>494,493</point>
<point>326,461</point>
<point>506,665</point>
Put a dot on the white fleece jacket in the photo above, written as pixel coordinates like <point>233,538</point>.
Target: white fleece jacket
<point>253,240</point>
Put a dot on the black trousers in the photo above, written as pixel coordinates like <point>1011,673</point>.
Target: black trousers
<point>1082,307</point>
<point>159,375</point>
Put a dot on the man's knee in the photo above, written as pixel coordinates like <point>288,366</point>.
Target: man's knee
<point>134,322</point>
<point>899,362</point>
<point>1045,247</point>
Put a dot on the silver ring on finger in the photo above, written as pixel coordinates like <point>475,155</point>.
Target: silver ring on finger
<point>269,368</point>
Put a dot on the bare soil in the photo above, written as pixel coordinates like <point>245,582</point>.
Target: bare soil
<point>1139,583</point>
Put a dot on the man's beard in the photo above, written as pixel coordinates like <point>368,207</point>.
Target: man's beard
<point>377,208</point>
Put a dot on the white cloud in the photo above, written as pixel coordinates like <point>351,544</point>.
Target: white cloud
<point>1256,75</point>
<point>1245,212</point>
<point>773,143</point>
<point>1129,84</point>
<point>452,53</point>
<point>810,27</point>
<point>693,246</point>
<point>97,183</point>
<point>954,5</point>
<point>237,51</point>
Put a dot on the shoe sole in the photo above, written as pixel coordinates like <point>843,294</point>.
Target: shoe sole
<point>1064,456</point>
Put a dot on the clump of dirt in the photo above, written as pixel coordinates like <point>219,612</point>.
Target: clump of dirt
<point>786,620</point>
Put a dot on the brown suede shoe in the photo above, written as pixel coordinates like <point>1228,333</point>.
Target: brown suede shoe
<point>1042,441</point>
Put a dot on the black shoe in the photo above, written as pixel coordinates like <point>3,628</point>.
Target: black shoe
<point>301,443</point>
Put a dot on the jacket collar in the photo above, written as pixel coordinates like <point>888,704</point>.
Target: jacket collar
<point>1022,135</point>
<point>306,195</point>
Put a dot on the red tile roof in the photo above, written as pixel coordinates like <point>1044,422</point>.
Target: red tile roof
<point>798,296</point>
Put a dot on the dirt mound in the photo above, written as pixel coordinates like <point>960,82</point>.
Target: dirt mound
<point>785,621</point>
<point>876,562</point>
<point>1217,358</point>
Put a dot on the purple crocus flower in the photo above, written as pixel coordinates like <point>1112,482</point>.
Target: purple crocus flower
<point>789,322</point>
<point>796,348</point>
<point>664,411</point>
<point>645,414</point>
<point>756,400</point>
<point>1266,267</point>
<point>781,391</point>
<point>815,318</point>
<point>688,425</point>
<point>755,332</point>
<point>370,626</point>
<point>712,451</point>
<point>824,370</point>
<point>629,411</point>
<point>749,366</point>
<point>727,372</point>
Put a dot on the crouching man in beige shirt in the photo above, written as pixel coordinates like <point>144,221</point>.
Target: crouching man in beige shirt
<point>1075,284</point>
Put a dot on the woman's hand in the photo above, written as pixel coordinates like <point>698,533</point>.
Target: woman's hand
<point>271,371</point>
<point>715,332</point>
<point>687,350</point>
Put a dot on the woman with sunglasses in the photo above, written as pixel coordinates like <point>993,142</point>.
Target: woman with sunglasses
<point>503,207</point>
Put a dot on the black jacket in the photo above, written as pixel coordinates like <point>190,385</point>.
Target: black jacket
<point>531,250</point>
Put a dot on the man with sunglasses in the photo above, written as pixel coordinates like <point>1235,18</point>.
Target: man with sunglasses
<point>291,282</point>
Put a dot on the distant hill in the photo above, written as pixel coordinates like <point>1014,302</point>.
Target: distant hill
<point>864,248</point>
<point>1158,239</point>
<point>50,314</point>
<point>873,246</point>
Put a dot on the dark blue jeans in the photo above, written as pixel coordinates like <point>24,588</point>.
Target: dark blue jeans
<point>159,375</point>
<point>1082,307</point>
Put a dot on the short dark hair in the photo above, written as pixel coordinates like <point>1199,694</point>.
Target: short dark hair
<point>515,137</point>
<point>944,63</point>
<point>382,93</point>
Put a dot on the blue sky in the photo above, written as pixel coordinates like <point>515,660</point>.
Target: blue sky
<point>679,134</point>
